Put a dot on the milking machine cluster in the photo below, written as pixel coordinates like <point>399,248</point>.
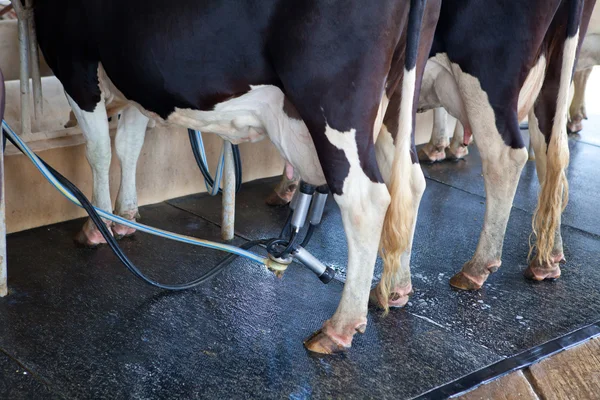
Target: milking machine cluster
<point>307,205</point>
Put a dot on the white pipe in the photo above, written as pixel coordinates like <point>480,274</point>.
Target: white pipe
<point>24,68</point>
<point>228,201</point>
<point>38,105</point>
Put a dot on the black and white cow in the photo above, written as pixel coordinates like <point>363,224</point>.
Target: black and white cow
<point>284,76</point>
<point>317,78</point>
<point>491,67</point>
<point>440,147</point>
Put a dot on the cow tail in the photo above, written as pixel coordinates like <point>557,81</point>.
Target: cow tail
<point>397,227</point>
<point>554,193</point>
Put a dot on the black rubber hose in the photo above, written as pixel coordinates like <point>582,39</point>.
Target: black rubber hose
<point>114,246</point>
<point>237,161</point>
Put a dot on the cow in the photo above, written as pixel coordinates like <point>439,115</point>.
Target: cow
<point>520,63</point>
<point>440,148</point>
<point>589,57</point>
<point>317,78</point>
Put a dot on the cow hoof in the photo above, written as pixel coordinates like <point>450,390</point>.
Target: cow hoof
<point>90,236</point>
<point>397,299</point>
<point>121,231</point>
<point>275,200</point>
<point>575,126</point>
<point>464,282</point>
<point>457,153</point>
<point>328,340</point>
<point>320,342</point>
<point>431,154</point>
<point>548,271</point>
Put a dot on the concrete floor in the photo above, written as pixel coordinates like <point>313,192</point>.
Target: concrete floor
<point>78,325</point>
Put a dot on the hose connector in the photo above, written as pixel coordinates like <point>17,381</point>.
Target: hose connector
<point>325,274</point>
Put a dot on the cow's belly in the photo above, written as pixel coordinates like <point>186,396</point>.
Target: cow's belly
<point>260,113</point>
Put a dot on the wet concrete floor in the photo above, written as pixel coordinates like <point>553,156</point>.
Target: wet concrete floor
<point>78,325</point>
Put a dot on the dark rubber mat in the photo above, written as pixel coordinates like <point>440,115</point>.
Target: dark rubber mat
<point>509,315</point>
<point>78,319</point>
<point>84,327</point>
<point>584,183</point>
<point>17,383</point>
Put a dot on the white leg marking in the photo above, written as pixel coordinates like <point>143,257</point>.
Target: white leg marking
<point>439,135</point>
<point>531,88</point>
<point>385,152</point>
<point>363,205</point>
<point>128,145</point>
<point>502,167</point>
<point>553,195</point>
<point>95,130</point>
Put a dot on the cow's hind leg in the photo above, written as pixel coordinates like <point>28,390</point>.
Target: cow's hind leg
<point>94,126</point>
<point>435,149</point>
<point>550,270</point>
<point>458,149</point>
<point>128,145</point>
<point>577,110</point>
<point>552,151</point>
<point>400,285</point>
<point>363,204</point>
<point>502,166</point>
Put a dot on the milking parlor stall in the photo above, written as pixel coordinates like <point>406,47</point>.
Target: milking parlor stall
<point>201,235</point>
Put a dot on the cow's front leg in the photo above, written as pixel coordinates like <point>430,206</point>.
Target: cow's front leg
<point>128,144</point>
<point>94,126</point>
<point>285,189</point>
<point>435,150</point>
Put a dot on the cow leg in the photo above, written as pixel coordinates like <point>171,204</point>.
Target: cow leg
<point>552,270</point>
<point>401,286</point>
<point>435,150</point>
<point>94,126</point>
<point>502,166</point>
<point>363,204</point>
<point>530,149</point>
<point>458,149</point>
<point>128,145</point>
<point>577,111</point>
<point>285,189</point>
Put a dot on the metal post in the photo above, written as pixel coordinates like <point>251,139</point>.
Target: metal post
<point>3,270</point>
<point>228,212</point>
<point>24,68</point>
<point>36,78</point>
